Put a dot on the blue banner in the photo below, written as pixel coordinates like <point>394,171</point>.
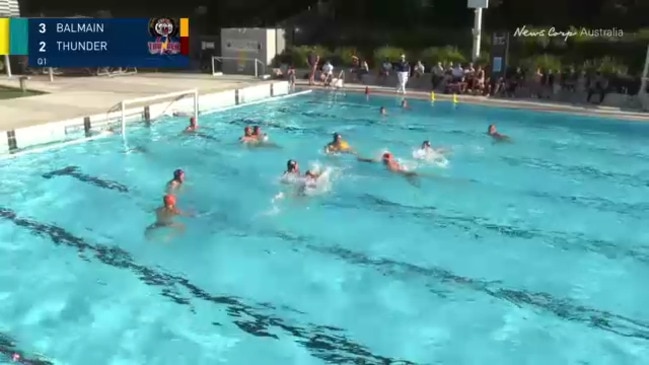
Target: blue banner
<point>88,42</point>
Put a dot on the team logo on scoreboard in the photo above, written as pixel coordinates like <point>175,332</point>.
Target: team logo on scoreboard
<point>165,32</point>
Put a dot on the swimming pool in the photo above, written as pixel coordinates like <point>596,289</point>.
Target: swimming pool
<point>533,252</point>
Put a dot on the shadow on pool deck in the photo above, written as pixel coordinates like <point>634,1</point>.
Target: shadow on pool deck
<point>13,93</point>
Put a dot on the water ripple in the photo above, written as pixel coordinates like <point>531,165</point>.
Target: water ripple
<point>10,350</point>
<point>478,227</point>
<point>580,172</point>
<point>562,308</point>
<point>324,342</point>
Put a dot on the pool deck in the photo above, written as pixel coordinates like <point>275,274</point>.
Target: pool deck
<point>529,104</point>
<point>70,97</point>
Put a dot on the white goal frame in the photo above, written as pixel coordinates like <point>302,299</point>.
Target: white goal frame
<point>644,80</point>
<point>124,104</point>
<point>259,65</point>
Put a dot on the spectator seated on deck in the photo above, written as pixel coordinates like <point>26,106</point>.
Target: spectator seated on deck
<point>457,83</point>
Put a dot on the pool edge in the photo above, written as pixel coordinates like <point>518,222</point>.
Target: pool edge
<point>55,134</point>
<point>537,106</point>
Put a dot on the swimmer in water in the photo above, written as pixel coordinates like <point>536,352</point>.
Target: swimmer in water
<point>248,137</point>
<point>176,182</point>
<point>427,149</point>
<point>312,175</point>
<point>292,169</point>
<point>404,104</point>
<point>383,111</point>
<point>309,181</point>
<point>338,145</point>
<point>260,139</point>
<point>256,132</point>
<point>193,126</point>
<point>192,129</point>
<point>292,173</point>
<point>388,160</point>
<point>165,217</point>
<point>493,133</point>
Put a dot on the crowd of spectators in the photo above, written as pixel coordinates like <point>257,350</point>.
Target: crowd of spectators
<point>456,78</point>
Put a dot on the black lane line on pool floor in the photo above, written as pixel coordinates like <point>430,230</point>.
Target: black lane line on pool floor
<point>73,171</point>
<point>478,227</point>
<point>9,349</point>
<point>577,172</point>
<point>562,308</point>
<point>324,342</point>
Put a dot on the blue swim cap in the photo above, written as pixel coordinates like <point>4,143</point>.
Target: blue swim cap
<point>178,173</point>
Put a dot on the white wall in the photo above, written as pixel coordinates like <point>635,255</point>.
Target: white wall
<point>249,43</point>
<point>74,128</point>
<point>4,142</point>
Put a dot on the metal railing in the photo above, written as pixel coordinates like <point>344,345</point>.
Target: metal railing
<point>116,71</point>
<point>258,64</point>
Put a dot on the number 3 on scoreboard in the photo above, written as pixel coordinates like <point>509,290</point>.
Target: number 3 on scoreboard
<point>41,46</point>
<point>41,28</point>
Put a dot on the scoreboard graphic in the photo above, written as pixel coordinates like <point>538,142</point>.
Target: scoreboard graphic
<point>87,42</point>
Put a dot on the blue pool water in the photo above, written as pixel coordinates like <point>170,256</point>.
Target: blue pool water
<point>534,252</point>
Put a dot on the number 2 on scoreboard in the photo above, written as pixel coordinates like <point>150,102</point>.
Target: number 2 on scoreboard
<point>41,47</point>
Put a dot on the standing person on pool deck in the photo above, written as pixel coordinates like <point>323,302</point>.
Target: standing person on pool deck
<point>493,133</point>
<point>176,182</point>
<point>403,73</point>
<point>312,60</point>
<point>338,145</point>
<point>165,217</point>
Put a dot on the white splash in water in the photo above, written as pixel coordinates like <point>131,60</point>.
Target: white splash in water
<point>430,156</point>
<point>322,184</point>
<point>307,185</point>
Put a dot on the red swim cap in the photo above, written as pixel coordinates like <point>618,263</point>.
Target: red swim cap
<point>387,156</point>
<point>169,199</point>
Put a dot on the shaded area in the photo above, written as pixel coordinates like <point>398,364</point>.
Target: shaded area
<point>9,349</point>
<point>12,93</point>
<point>324,342</point>
<point>73,171</point>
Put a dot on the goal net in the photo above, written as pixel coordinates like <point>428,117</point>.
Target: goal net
<point>238,66</point>
<point>179,103</point>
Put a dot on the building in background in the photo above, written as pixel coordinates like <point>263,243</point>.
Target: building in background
<point>9,8</point>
